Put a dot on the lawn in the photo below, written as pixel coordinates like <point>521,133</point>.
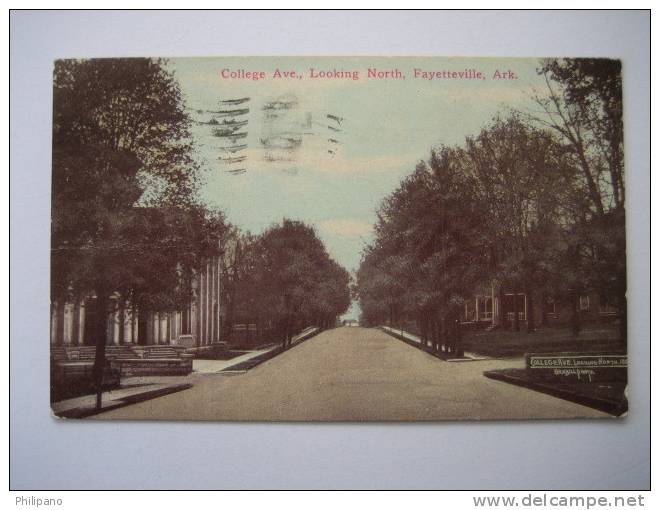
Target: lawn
<point>507,343</point>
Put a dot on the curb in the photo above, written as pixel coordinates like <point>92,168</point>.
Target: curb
<point>419,347</point>
<point>608,406</point>
<point>262,358</point>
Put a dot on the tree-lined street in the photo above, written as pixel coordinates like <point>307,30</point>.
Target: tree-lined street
<point>355,374</point>
<point>520,225</point>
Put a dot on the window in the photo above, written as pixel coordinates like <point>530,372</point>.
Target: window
<point>584,303</point>
<point>485,308</point>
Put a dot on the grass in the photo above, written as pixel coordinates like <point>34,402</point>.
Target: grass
<point>505,343</point>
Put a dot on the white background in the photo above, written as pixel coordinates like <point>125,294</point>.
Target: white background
<point>53,454</point>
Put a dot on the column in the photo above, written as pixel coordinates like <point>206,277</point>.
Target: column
<point>75,329</point>
<point>164,328</point>
<point>195,319</point>
<point>219,270</point>
<point>212,300</point>
<point>59,335</point>
<point>207,313</point>
<point>149,329</point>
<point>175,332</point>
<point>202,306</point>
<point>121,314</point>
<point>134,325</point>
<point>493,303</point>
<point>156,322</point>
<point>109,328</point>
<point>83,322</point>
<point>116,324</point>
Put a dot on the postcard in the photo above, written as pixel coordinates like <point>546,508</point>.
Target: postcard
<point>338,239</point>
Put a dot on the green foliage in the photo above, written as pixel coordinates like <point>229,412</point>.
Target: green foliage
<point>118,122</point>
<point>284,278</point>
<point>129,106</point>
<point>509,206</point>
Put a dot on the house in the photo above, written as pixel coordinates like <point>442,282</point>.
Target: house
<point>490,307</point>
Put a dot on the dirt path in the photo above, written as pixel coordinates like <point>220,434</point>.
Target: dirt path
<point>355,374</point>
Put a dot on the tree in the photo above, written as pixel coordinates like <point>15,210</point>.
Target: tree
<point>427,256</point>
<point>297,281</point>
<point>534,201</point>
<point>241,294</point>
<point>124,182</point>
<point>583,104</point>
<point>522,176</point>
<point>332,296</point>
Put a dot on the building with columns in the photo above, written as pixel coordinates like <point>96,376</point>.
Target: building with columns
<point>200,324</point>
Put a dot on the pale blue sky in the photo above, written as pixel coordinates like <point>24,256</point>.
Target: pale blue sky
<point>388,126</point>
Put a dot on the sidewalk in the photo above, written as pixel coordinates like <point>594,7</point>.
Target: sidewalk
<point>139,389</point>
<point>212,366</point>
<point>209,366</point>
<point>414,339</point>
<point>82,407</point>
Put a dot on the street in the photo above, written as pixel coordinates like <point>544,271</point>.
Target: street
<point>353,373</point>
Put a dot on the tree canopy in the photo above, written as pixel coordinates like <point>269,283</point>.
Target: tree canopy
<point>533,201</point>
<point>125,217</point>
<point>289,281</point>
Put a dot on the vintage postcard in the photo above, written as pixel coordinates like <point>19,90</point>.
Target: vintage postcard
<point>338,239</point>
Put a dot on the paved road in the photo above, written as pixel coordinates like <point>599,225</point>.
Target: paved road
<point>355,374</point>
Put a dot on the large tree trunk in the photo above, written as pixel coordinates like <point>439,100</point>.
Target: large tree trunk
<point>289,331</point>
<point>100,333</point>
<point>434,333</point>
<point>544,309</point>
<point>229,319</point>
<point>516,317</point>
<point>122,320</point>
<point>531,326</point>
<point>59,332</point>
<point>429,330</point>
<point>438,337</point>
<point>575,313</point>
<point>502,312</point>
<point>143,326</point>
<point>285,332</point>
<point>458,338</point>
<point>445,335</point>
<point>133,317</point>
<point>423,328</point>
<point>75,330</point>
